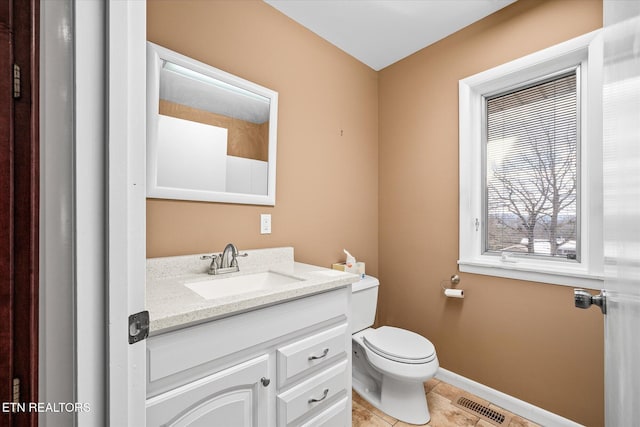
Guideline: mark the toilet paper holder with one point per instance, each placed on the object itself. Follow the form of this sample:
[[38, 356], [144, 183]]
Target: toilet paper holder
[[452, 293]]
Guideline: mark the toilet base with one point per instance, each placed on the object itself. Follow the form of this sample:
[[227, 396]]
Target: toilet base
[[404, 400], [401, 400]]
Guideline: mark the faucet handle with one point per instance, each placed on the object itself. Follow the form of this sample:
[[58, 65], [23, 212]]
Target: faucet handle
[[215, 262], [215, 258], [234, 256]]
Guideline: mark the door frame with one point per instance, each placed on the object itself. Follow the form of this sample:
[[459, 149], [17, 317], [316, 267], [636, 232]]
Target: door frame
[[94, 230], [126, 210]]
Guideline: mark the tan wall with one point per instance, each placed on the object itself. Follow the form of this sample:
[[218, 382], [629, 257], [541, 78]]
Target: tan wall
[[244, 139], [327, 173], [524, 339]]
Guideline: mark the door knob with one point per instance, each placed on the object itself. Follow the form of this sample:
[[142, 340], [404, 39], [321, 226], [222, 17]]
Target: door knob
[[265, 381], [584, 299]]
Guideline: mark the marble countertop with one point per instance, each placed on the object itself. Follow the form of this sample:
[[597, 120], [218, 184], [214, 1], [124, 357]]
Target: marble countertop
[[172, 305]]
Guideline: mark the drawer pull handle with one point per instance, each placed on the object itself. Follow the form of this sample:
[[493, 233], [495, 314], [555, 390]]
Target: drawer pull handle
[[324, 353], [265, 381], [325, 393]]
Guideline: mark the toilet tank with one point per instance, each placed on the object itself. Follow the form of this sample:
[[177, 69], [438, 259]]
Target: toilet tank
[[363, 303]]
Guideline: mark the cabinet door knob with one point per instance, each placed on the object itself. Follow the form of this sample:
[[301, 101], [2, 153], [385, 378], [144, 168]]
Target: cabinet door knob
[[324, 396], [265, 381], [324, 353]]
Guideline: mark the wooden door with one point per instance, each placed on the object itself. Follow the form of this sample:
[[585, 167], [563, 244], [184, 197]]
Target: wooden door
[[19, 208]]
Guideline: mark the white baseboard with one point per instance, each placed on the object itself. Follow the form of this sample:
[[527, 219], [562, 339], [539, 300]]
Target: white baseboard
[[510, 403]]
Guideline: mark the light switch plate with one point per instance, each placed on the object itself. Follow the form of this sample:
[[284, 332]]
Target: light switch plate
[[265, 223]]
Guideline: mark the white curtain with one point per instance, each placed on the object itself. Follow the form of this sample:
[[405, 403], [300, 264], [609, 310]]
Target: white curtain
[[621, 153]]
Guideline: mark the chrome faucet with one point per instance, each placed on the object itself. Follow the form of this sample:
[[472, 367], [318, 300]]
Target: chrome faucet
[[229, 255], [226, 262]]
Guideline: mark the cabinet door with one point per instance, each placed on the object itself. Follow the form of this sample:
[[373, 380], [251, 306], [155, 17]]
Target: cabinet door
[[232, 397]]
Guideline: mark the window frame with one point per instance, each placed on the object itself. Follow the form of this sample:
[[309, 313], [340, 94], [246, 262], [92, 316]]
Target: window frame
[[586, 52]]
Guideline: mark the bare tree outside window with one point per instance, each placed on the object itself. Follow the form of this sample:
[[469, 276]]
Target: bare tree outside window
[[531, 169]]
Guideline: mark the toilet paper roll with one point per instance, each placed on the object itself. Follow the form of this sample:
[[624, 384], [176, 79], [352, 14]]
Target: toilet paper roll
[[454, 293]]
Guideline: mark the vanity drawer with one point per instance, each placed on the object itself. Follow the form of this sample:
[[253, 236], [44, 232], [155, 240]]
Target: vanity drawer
[[309, 352], [334, 416], [316, 392]]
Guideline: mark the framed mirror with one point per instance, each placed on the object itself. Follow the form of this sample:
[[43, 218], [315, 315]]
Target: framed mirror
[[211, 136]]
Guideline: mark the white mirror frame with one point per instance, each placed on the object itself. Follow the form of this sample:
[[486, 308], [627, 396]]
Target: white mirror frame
[[155, 57]]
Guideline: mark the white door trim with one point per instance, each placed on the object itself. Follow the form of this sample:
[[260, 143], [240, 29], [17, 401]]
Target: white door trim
[[126, 242], [89, 207], [56, 371]]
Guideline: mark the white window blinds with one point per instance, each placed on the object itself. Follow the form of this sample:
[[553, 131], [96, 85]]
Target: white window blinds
[[531, 170]]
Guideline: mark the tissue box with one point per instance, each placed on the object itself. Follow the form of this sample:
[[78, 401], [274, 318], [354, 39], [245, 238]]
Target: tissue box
[[357, 268]]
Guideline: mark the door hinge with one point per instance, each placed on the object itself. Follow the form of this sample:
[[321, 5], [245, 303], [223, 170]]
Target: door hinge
[[16, 390], [138, 326], [16, 81]]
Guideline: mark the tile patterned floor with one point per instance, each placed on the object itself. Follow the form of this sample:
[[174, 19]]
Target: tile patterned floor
[[443, 412]]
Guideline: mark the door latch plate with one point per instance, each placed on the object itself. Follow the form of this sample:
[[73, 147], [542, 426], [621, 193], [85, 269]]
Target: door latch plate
[[138, 326]]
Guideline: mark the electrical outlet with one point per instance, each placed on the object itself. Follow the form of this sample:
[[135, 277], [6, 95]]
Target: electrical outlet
[[265, 223]]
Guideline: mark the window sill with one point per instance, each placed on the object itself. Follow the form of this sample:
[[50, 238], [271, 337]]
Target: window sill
[[565, 276]]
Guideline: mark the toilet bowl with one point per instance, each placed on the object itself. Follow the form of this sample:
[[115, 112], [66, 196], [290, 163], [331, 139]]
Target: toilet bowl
[[390, 364]]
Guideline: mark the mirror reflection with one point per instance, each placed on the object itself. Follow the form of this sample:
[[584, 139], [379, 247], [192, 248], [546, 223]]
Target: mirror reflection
[[211, 134]]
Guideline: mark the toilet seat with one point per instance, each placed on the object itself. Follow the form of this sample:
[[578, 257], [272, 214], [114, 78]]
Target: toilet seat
[[399, 345]]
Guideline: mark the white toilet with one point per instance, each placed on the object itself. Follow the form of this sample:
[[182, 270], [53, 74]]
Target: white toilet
[[389, 364]]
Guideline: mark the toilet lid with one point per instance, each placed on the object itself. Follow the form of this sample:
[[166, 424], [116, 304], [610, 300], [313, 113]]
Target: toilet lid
[[399, 344]]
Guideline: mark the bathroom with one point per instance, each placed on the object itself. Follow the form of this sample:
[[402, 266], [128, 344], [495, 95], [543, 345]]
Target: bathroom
[[368, 160]]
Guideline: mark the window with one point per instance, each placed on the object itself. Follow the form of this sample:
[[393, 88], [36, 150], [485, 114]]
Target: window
[[530, 147], [531, 168]]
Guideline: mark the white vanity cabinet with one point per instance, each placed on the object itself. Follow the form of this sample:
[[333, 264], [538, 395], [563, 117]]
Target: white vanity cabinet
[[287, 364], [234, 396]]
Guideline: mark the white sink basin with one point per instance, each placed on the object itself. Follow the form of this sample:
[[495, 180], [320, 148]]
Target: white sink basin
[[220, 288]]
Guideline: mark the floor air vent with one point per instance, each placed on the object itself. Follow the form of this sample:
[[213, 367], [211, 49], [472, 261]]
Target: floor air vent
[[484, 412]]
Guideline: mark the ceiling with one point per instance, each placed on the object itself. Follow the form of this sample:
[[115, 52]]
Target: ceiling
[[381, 32]]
